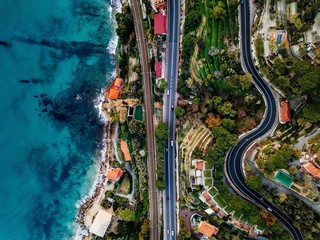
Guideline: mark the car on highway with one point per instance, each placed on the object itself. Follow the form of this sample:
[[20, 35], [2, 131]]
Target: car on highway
[[172, 107], [270, 209], [171, 143], [172, 233], [168, 92], [168, 232]]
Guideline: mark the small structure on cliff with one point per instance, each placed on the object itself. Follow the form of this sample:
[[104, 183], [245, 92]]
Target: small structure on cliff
[[114, 89]]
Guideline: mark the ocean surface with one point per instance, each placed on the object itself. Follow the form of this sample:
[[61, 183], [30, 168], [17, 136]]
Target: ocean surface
[[54, 61]]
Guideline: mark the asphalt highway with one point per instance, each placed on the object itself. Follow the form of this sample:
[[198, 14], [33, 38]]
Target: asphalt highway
[[173, 24], [144, 60], [233, 165]]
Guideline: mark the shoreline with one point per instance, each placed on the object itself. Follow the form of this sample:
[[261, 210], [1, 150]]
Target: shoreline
[[98, 187]]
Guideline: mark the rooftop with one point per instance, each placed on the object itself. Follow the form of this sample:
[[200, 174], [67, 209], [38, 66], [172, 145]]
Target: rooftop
[[311, 169], [207, 229], [284, 108], [101, 223], [113, 173], [158, 67], [160, 23], [114, 89], [199, 164]]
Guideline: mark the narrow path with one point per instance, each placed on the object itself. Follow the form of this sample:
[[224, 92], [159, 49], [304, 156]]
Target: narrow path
[[303, 140]]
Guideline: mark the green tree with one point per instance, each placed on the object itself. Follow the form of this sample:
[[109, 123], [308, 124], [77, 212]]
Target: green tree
[[126, 214], [162, 131], [229, 124], [245, 81], [179, 111], [219, 11], [279, 66], [254, 181]]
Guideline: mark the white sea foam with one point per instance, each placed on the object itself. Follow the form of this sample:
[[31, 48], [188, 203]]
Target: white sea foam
[[112, 46], [98, 105]]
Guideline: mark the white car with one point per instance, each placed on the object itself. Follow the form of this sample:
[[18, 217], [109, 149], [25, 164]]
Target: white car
[[172, 233], [168, 92], [171, 143]]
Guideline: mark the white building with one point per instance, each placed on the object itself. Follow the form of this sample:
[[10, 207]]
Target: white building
[[101, 223]]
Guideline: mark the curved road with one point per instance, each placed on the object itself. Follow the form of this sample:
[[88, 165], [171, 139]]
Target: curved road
[[233, 165], [144, 60], [173, 23]]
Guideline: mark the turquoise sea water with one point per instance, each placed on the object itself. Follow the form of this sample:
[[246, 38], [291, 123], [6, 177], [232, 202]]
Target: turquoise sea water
[[53, 63]]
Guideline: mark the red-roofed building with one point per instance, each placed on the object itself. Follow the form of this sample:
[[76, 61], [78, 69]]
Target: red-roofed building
[[114, 90], [160, 24], [158, 67], [311, 169], [199, 164], [207, 229], [113, 174], [215, 208], [221, 213], [206, 195], [284, 111], [210, 202], [246, 227]]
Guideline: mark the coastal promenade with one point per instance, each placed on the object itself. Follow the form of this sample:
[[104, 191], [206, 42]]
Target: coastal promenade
[[144, 60]]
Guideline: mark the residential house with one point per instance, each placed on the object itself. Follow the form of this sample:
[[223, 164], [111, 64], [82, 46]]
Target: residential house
[[113, 174], [284, 111], [207, 229]]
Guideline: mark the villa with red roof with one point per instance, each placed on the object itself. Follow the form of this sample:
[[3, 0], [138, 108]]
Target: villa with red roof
[[113, 174], [207, 229], [310, 168], [284, 111]]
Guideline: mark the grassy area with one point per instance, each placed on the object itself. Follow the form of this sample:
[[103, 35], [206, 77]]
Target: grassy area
[[295, 188], [237, 214], [207, 173], [213, 191], [314, 139], [208, 182], [228, 209], [125, 184], [138, 113], [220, 201]]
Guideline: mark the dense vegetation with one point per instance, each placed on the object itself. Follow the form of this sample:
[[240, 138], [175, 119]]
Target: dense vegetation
[[161, 135], [305, 219]]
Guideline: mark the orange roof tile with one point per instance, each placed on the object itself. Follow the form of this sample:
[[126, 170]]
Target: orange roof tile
[[284, 115], [215, 208], [311, 169], [113, 173], [246, 227], [221, 213], [210, 202], [117, 82], [206, 195], [113, 93], [125, 150], [199, 165], [207, 229]]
